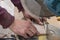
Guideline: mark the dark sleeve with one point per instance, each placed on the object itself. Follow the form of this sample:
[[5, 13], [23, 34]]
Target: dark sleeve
[[17, 3], [5, 18]]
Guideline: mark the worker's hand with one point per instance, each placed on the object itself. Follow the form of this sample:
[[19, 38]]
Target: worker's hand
[[37, 20], [23, 28]]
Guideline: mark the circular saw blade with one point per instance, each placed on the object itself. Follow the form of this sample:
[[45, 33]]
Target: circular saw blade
[[36, 8]]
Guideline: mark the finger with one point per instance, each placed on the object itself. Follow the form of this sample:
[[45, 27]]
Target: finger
[[44, 18], [33, 30], [29, 33], [39, 21], [23, 35]]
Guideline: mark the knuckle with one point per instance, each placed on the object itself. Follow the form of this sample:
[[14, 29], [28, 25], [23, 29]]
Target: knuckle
[[22, 32]]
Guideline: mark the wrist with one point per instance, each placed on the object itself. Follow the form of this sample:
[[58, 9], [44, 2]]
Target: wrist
[[12, 25]]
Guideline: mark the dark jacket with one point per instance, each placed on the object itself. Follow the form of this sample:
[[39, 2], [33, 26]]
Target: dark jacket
[[5, 18]]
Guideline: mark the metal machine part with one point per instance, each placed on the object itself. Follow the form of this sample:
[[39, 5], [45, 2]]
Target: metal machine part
[[7, 39], [53, 32], [36, 9], [52, 5], [12, 37], [42, 7]]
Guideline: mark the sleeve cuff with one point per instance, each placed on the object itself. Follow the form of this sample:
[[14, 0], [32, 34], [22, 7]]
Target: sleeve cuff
[[6, 19], [18, 4]]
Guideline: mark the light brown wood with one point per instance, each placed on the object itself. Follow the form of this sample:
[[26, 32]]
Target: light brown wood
[[53, 21]]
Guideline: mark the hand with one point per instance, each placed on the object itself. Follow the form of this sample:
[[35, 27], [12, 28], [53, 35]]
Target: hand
[[23, 28], [37, 20]]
